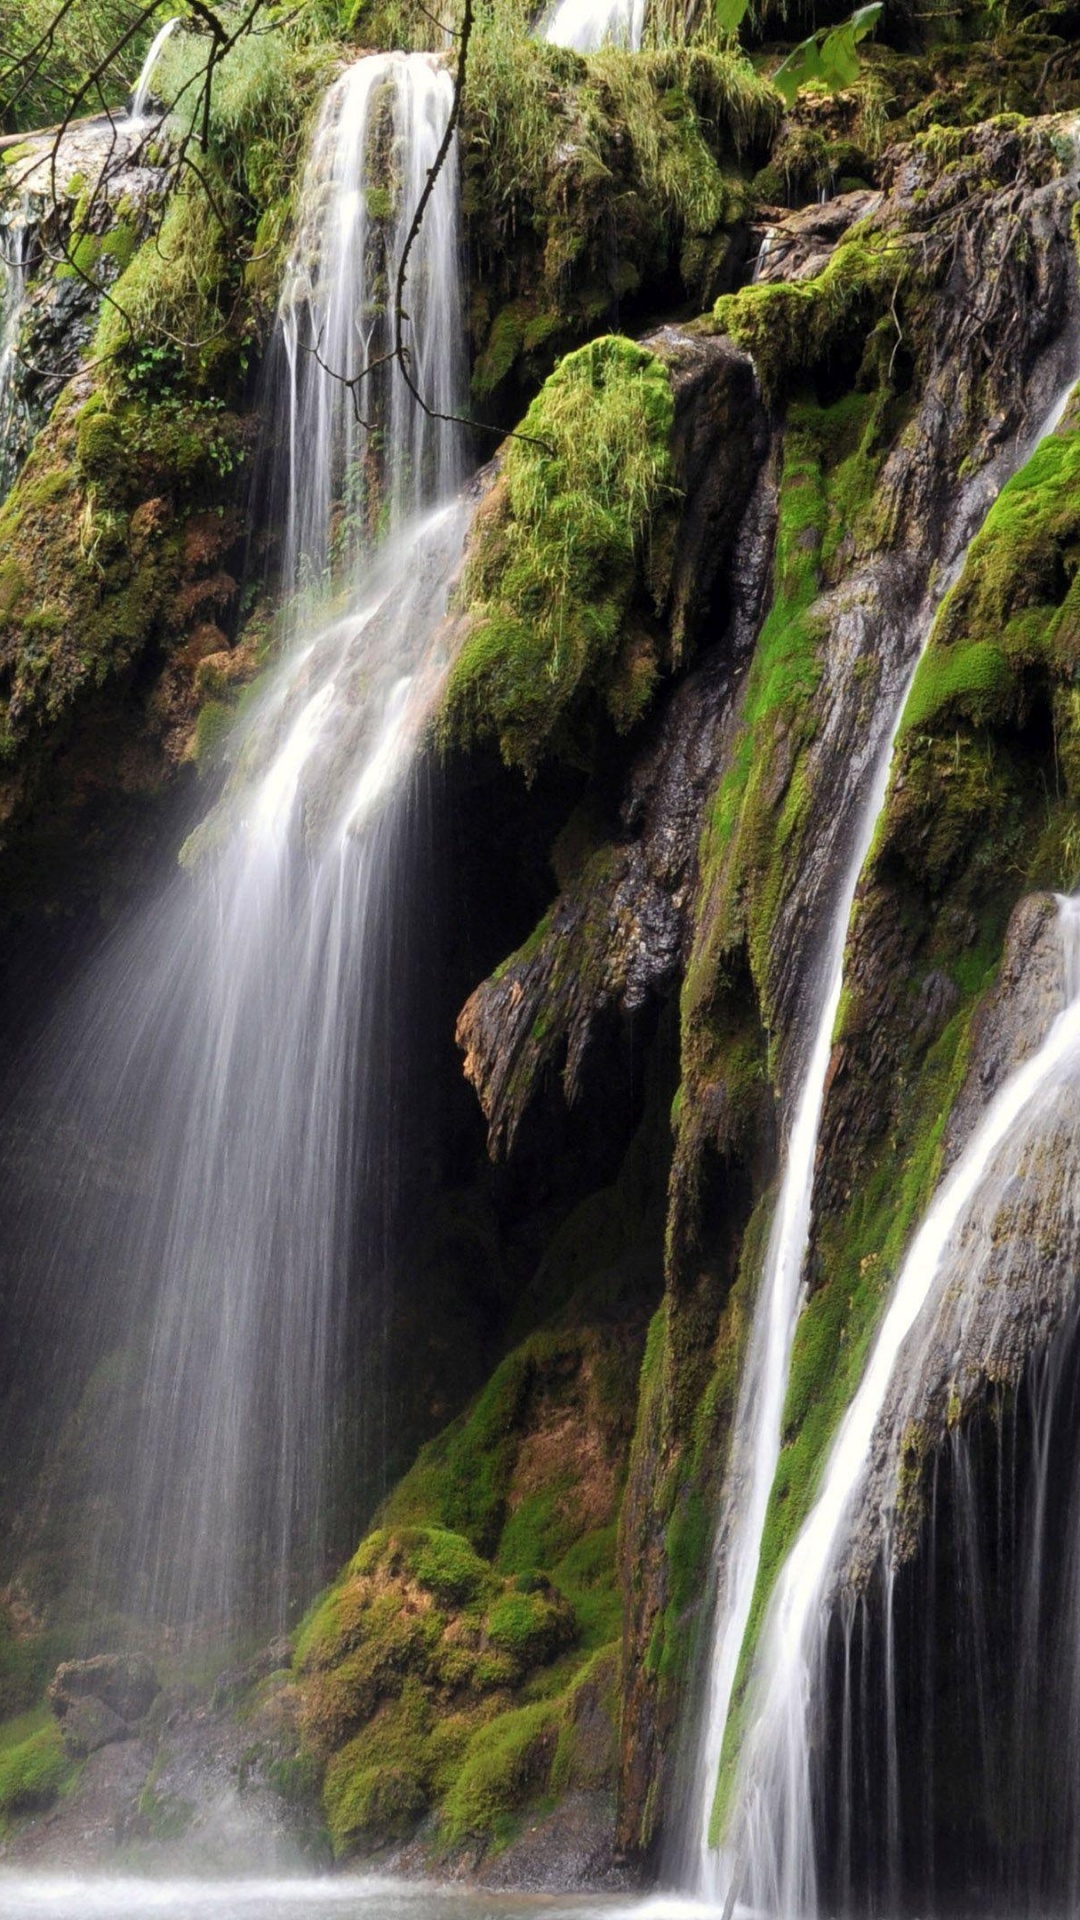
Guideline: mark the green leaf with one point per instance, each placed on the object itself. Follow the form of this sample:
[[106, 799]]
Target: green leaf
[[730, 14], [802, 65], [828, 55]]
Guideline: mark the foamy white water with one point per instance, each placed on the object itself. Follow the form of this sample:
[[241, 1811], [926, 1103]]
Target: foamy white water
[[586, 25], [237, 1053]]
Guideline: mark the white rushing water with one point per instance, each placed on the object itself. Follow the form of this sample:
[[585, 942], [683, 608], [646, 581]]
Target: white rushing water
[[774, 1808], [236, 1057], [15, 241], [586, 25], [377, 136], [756, 1437], [137, 115], [57, 1896]]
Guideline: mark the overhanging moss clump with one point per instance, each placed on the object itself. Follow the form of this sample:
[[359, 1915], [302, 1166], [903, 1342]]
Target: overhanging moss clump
[[558, 554], [561, 151]]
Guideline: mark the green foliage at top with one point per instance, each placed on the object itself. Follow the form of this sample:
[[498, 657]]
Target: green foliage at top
[[556, 557], [676, 106], [559, 151], [184, 314]]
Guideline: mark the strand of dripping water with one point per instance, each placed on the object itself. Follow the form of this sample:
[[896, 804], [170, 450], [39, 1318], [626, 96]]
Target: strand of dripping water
[[755, 1447], [137, 116], [304, 899], [15, 241]]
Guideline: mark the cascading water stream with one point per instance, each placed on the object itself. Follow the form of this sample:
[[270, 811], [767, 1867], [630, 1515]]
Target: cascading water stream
[[137, 116], [586, 25], [233, 1059], [774, 1808], [715, 1870], [382, 120], [15, 239]]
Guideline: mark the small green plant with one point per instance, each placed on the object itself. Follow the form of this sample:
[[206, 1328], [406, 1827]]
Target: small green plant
[[829, 57]]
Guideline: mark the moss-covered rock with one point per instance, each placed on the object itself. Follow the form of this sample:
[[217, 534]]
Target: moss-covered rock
[[561, 153], [34, 1768]]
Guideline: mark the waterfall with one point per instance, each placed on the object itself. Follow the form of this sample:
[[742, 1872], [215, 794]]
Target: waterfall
[[756, 1436], [15, 239], [376, 139], [225, 1088], [774, 1811], [586, 25], [141, 95]]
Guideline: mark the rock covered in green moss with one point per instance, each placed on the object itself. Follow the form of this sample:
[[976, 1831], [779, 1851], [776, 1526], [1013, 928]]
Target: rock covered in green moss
[[418, 1646], [593, 558], [560, 151], [119, 555], [910, 409], [33, 1770], [444, 1670]]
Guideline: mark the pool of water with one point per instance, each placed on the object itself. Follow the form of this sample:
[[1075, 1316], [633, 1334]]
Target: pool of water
[[43, 1896]]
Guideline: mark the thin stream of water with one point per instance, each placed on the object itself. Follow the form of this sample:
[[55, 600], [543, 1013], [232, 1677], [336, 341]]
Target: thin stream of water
[[141, 96]]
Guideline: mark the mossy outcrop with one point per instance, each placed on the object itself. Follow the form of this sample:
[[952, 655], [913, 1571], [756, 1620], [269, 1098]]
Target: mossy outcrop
[[459, 1663], [561, 153]]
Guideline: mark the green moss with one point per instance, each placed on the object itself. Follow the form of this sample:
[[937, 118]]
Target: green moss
[[212, 729], [379, 1785], [505, 1765], [33, 1772], [975, 679], [553, 565], [528, 1627]]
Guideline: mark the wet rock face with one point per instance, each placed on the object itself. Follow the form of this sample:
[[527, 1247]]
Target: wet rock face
[[617, 933], [796, 246], [99, 175], [186, 1789], [719, 440], [1012, 1022]]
